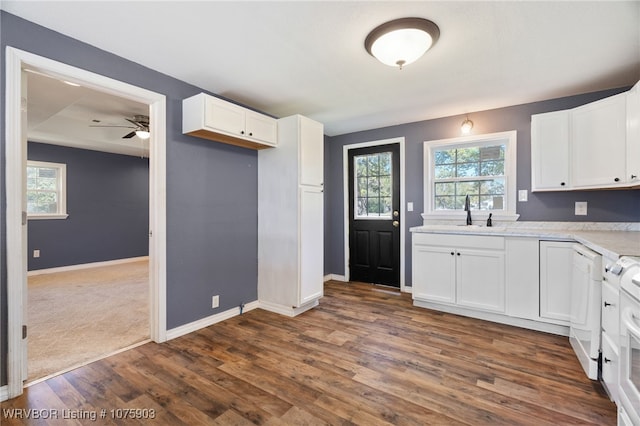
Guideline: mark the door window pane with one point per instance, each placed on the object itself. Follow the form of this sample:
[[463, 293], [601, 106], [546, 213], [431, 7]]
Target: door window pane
[[373, 185]]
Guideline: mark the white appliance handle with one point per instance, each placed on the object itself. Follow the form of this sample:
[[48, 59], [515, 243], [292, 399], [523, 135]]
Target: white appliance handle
[[630, 323]]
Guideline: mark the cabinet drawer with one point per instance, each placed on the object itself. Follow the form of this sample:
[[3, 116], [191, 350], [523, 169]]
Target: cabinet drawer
[[459, 241], [610, 365], [610, 309]]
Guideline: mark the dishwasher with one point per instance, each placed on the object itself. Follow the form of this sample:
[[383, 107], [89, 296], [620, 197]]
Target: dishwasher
[[586, 292]]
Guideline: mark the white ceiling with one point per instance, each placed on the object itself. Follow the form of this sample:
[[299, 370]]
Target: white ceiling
[[308, 57]]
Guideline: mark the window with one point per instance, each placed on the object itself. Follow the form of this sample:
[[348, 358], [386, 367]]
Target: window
[[482, 167], [46, 190], [373, 185]]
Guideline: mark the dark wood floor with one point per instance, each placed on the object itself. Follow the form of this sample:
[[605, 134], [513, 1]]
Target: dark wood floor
[[364, 356]]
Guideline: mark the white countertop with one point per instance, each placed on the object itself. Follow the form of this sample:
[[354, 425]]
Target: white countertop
[[611, 240]]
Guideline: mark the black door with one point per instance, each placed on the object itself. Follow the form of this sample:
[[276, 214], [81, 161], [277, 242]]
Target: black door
[[374, 214]]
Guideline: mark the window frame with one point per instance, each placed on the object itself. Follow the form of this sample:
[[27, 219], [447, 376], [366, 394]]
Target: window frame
[[509, 139], [61, 190]]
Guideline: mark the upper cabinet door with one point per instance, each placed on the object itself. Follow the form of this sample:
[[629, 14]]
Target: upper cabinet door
[[225, 116], [311, 152], [598, 147], [550, 151], [261, 127], [633, 135]]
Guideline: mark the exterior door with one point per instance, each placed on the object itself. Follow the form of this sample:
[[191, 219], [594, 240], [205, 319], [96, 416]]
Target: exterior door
[[374, 214]]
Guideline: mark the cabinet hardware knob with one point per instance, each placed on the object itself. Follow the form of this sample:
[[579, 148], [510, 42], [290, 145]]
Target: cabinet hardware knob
[[242, 132], [562, 183], [633, 176], [607, 360], [607, 304], [458, 253], [250, 133], [452, 253], [616, 180]]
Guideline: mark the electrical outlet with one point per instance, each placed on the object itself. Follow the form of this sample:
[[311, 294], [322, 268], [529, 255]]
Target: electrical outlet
[[581, 208], [215, 301], [36, 253]]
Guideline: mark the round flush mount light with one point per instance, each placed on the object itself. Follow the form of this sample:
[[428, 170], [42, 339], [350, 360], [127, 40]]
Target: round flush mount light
[[402, 41]]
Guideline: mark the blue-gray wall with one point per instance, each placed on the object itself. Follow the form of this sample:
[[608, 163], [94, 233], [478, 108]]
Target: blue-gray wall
[[211, 188], [604, 206], [108, 207]]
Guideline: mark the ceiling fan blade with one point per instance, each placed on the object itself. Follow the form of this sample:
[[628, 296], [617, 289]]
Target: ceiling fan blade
[[129, 135]]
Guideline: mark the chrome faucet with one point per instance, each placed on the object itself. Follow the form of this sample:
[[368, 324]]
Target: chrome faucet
[[467, 208]]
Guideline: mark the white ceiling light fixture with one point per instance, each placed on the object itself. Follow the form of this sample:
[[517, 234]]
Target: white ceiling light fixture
[[402, 41]]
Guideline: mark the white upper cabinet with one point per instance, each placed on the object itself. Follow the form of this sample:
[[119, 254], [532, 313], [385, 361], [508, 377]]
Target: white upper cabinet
[[598, 148], [311, 152], [215, 119], [633, 135], [550, 151], [593, 146]]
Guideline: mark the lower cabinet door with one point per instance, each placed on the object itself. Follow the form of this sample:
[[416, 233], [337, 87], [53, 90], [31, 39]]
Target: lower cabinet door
[[311, 244], [610, 366], [481, 279], [434, 277]]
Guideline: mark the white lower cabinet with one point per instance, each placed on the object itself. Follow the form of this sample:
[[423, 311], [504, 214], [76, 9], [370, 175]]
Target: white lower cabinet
[[555, 281], [466, 271]]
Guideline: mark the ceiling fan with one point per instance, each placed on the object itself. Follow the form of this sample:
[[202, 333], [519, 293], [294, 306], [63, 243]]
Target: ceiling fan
[[140, 126]]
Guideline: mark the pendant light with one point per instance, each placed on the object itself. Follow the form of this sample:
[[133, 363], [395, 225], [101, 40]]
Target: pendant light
[[466, 126], [402, 41]]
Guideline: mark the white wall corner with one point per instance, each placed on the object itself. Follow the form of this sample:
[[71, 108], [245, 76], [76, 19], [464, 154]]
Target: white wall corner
[[335, 277]]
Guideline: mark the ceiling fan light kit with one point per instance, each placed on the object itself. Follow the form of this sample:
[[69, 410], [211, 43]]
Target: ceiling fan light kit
[[402, 41], [140, 126]]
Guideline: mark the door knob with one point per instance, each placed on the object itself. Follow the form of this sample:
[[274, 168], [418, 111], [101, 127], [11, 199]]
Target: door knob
[[395, 223], [395, 213]]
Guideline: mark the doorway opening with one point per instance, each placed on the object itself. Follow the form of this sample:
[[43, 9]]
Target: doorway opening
[[374, 211], [16, 223]]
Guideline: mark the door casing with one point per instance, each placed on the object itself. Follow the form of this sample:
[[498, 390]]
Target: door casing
[[16, 245], [346, 183]]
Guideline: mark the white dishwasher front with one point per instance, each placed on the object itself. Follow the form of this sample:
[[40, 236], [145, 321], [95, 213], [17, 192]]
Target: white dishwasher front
[[584, 331]]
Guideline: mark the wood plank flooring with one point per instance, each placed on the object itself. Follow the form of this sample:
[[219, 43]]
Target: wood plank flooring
[[365, 356]]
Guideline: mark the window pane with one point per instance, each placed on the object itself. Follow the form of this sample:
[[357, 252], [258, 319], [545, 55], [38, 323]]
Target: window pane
[[373, 206], [361, 207], [445, 203], [445, 171], [362, 187], [385, 186], [445, 188], [492, 168], [468, 155], [361, 165], [471, 188], [385, 164], [374, 168], [385, 206], [495, 186], [445, 157], [45, 172], [373, 187], [468, 170]]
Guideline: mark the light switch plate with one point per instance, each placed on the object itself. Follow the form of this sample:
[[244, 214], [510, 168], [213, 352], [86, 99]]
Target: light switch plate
[[523, 195], [410, 206], [581, 208]]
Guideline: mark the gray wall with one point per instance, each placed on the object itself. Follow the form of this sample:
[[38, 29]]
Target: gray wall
[[211, 188], [108, 207], [604, 206]]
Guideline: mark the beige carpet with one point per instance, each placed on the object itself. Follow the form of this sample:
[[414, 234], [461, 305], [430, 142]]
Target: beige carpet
[[79, 316]]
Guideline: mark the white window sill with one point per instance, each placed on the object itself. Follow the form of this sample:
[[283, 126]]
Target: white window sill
[[46, 216], [475, 215]]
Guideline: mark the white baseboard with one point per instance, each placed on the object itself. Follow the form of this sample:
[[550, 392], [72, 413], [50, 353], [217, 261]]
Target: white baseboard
[[86, 265], [335, 277], [4, 393], [210, 320], [287, 310]]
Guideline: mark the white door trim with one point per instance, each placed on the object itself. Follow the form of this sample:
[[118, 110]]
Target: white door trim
[[16, 264], [345, 174]]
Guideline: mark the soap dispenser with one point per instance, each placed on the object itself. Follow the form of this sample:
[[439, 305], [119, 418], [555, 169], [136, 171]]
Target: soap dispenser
[[489, 222]]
